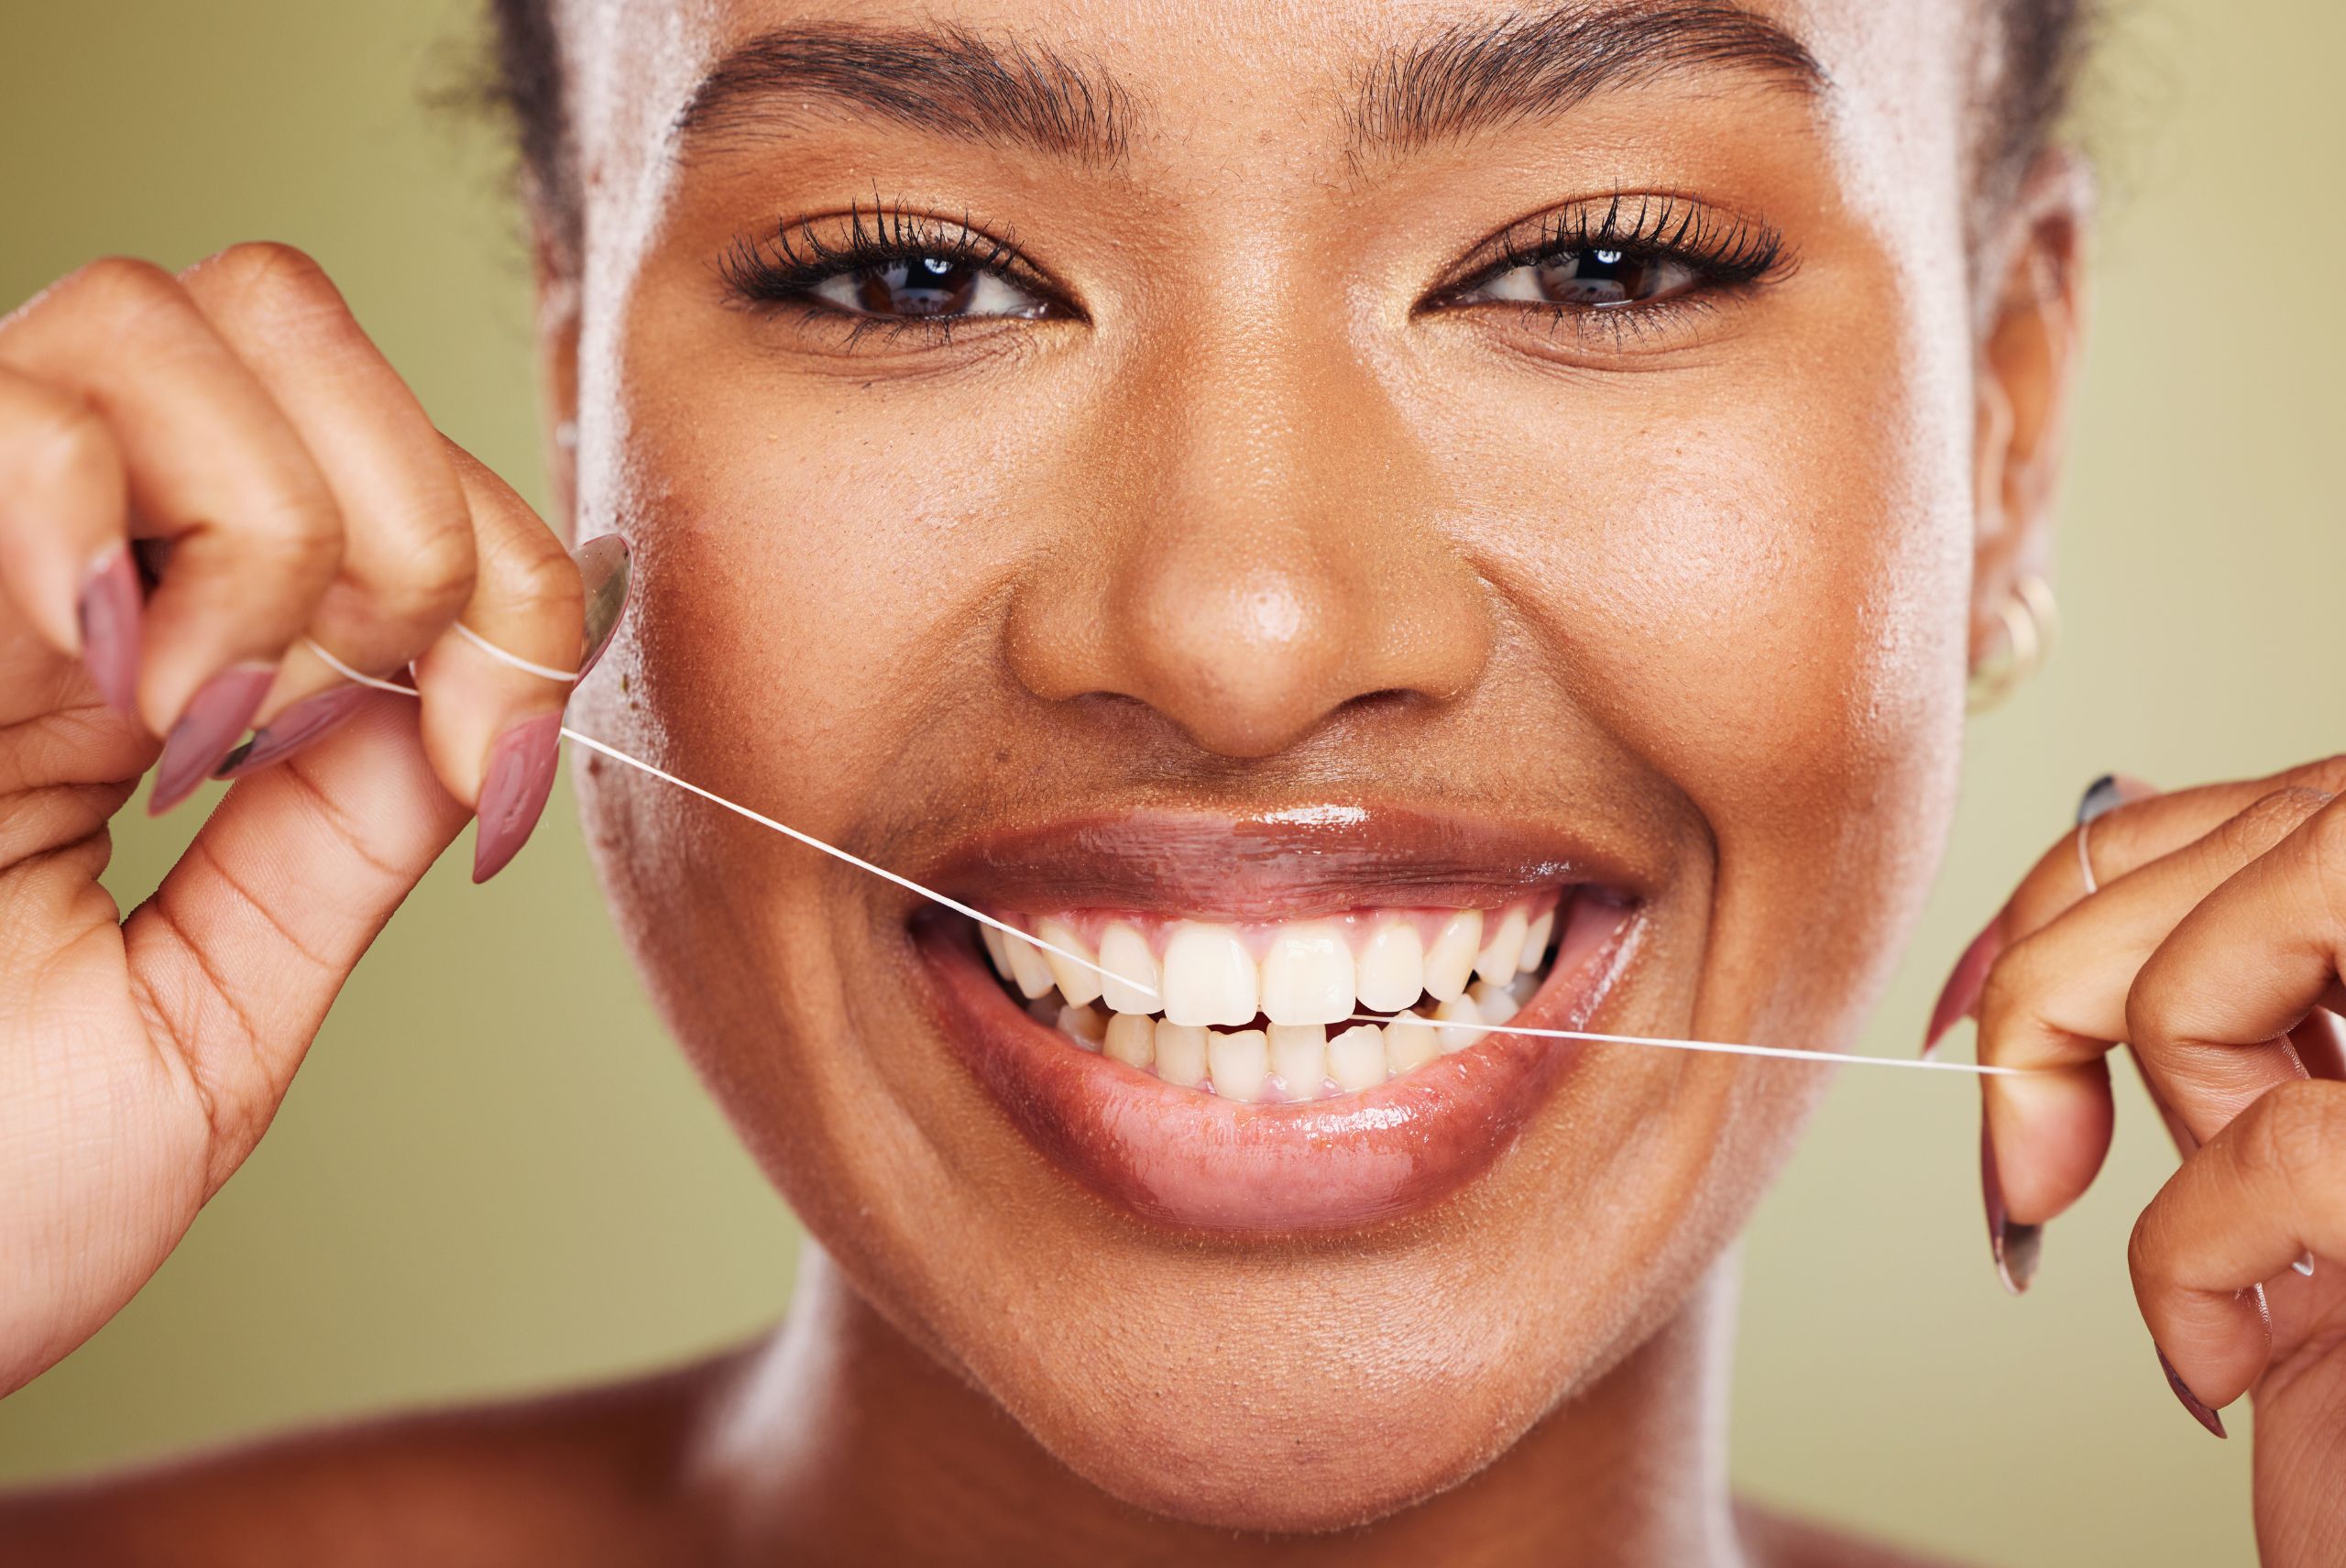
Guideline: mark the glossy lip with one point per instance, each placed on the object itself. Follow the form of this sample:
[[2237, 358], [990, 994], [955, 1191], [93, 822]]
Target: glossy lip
[[1275, 865], [1183, 1158]]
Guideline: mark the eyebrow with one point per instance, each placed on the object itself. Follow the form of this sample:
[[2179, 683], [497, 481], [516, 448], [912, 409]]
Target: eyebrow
[[943, 79], [1471, 77]]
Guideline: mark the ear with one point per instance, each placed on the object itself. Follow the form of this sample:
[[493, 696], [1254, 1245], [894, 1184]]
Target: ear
[[2032, 336], [557, 351]]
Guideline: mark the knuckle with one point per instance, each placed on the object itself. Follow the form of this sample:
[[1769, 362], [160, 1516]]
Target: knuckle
[[118, 289], [2295, 1131], [435, 576], [264, 279], [2270, 818], [533, 580]]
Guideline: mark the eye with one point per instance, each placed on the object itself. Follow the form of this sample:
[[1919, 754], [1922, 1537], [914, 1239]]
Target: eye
[[926, 286], [1592, 277]]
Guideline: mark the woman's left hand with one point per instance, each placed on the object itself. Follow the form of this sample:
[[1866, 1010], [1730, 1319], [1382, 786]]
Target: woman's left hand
[[2206, 929]]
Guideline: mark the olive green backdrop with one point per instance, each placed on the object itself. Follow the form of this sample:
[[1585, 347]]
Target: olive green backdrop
[[496, 1176]]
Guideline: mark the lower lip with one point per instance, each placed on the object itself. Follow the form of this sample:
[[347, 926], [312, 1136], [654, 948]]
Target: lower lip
[[1185, 1158]]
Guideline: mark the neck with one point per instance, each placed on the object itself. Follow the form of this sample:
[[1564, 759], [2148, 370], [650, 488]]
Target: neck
[[839, 1439]]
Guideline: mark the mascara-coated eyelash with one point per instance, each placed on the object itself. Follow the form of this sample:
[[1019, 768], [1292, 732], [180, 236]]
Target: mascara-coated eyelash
[[1629, 255], [891, 269]]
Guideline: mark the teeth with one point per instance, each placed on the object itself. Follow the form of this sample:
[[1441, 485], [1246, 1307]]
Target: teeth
[[1027, 968], [1086, 1024], [1131, 1039], [1497, 961], [1240, 1063], [1123, 953], [1497, 1003], [1307, 977], [1457, 1010], [1392, 968], [997, 949], [1449, 962], [1076, 984], [1186, 1016], [1535, 940], [1181, 1053], [1356, 1057], [1209, 978], [1410, 1043], [1300, 1059]]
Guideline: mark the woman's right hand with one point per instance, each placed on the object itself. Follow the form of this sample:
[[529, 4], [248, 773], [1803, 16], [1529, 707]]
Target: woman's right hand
[[285, 485]]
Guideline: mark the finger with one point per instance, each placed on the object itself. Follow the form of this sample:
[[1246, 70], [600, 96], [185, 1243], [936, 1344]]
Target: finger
[[2055, 1002], [407, 562], [2142, 828], [243, 948], [64, 545], [212, 464], [492, 730], [2267, 1189], [2211, 1009]]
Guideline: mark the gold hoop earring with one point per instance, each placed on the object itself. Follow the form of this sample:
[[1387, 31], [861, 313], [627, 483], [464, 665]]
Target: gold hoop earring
[[2032, 623]]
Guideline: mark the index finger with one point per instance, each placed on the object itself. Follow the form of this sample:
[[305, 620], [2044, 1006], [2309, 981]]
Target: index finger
[[2143, 827]]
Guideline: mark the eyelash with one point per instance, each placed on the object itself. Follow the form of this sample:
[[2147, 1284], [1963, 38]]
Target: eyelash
[[1725, 253], [781, 270]]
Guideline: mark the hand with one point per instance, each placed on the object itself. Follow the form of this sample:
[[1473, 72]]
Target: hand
[[2207, 934], [285, 485]]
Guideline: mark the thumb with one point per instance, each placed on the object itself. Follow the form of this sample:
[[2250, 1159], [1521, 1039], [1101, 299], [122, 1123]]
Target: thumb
[[247, 943]]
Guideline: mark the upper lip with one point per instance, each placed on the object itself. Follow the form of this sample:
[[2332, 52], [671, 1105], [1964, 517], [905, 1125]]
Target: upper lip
[[1274, 864]]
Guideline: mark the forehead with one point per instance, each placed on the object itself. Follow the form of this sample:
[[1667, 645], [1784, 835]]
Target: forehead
[[1264, 77]]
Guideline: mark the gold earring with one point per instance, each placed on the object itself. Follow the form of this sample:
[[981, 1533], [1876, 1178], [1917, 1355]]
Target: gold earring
[[2032, 622]]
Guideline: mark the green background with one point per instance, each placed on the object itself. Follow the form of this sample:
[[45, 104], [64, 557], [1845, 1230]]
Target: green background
[[495, 1174]]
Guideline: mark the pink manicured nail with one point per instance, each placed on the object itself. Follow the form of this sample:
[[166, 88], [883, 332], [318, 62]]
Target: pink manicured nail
[[207, 727], [1961, 992], [520, 778], [310, 719], [109, 612], [2015, 1248], [605, 570], [2191, 1402]]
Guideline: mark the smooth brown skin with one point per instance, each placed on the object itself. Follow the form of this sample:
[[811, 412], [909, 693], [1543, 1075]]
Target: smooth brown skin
[[1710, 590]]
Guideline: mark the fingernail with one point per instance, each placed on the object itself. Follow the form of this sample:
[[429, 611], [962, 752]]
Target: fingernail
[[307, 720], [513, 794], [207, 727], [2101, 796], [109, 611], [605, 568], [2191, 1402], [1961, 992], [2014, 1247]]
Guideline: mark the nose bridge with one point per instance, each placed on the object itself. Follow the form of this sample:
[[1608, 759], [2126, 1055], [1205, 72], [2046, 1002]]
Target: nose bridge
[[1279, 549]]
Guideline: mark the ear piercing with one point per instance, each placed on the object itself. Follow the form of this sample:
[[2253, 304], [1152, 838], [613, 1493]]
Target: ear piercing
[[2032, 623]]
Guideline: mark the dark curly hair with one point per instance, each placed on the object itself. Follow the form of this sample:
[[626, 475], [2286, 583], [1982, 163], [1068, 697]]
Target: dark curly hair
[[2033, 53]]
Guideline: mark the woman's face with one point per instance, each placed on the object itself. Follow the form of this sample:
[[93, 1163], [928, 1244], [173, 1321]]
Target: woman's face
[[1249, 482]]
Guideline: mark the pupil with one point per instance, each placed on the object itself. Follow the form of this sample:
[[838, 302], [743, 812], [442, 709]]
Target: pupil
[[922, 286], [1595, 277]]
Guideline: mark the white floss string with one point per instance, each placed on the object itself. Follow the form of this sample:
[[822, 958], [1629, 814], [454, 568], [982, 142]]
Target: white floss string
[[1715, 1048]]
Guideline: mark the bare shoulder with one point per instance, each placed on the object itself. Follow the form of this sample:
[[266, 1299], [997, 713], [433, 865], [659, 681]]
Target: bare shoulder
[[1781, 1540], [590, 1477]]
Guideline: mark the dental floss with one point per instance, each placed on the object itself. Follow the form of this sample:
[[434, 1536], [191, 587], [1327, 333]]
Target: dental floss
[[1778, 1053], [859, 863], [1718, 1047]]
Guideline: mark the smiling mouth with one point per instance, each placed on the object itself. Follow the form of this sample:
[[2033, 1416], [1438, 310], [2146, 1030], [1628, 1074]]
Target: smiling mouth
[[1296, 1010], [1293, 1032]]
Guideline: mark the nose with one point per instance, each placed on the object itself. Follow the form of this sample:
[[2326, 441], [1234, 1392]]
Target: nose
[[1261, 551]]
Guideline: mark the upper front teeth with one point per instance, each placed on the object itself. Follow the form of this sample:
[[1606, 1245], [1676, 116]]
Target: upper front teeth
[[1211, 982]]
